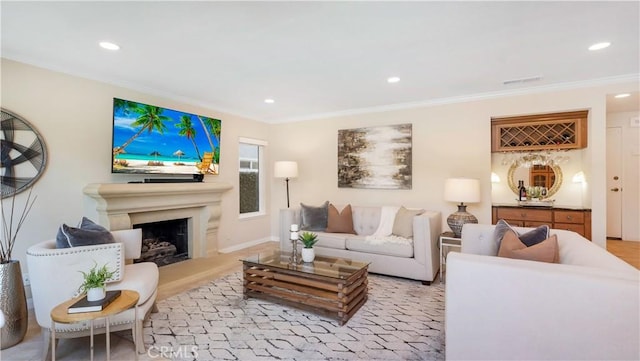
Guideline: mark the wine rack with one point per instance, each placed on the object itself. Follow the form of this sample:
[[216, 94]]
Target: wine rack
[[567, 130]]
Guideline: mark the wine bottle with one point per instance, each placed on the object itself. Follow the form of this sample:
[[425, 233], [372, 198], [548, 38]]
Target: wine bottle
[[522, 191]]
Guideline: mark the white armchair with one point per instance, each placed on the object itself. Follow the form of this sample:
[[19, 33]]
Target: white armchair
[[55, 278]]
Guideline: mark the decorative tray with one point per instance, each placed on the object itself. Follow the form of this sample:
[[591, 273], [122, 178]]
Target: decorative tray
[[532, 203]]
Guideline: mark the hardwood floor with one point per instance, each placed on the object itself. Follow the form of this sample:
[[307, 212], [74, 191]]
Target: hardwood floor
[[182, 276], [628, 251]]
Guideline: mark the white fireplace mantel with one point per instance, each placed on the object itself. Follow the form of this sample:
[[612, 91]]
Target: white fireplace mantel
[[121, 205]]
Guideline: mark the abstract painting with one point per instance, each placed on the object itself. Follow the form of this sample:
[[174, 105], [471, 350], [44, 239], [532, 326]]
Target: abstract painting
[[375, 157]]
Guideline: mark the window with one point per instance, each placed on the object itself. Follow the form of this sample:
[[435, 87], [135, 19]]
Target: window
[[251, 176]]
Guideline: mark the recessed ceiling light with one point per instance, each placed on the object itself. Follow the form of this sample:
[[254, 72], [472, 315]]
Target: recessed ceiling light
[[599, 46], [393, 79], [623, 95], [109, 46], [269, 101]]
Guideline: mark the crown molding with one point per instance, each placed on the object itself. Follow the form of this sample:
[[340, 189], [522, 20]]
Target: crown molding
[[377, 109], [468, 98], [132, 86]]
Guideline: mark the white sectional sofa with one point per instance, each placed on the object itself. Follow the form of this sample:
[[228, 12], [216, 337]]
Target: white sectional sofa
[[418, 260], [587, 307]]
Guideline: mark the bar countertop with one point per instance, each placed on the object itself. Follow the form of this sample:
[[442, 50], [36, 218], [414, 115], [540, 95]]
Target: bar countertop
[[557, 207]]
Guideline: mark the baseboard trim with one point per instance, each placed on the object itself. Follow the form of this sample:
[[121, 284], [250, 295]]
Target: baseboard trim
[[244, 245]]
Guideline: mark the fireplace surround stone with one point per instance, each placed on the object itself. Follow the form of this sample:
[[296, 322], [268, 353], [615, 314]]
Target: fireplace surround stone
[[121, 205]]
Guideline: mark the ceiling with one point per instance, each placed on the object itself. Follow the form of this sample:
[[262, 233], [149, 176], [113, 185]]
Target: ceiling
[[319, 59]]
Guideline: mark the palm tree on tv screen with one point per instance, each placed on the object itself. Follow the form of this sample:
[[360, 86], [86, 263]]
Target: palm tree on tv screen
[[150, 118], [126, 106], [216, 127], [186, 130], [212, 125]]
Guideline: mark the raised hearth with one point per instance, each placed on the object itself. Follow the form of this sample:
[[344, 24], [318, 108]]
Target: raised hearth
[[121, 205]]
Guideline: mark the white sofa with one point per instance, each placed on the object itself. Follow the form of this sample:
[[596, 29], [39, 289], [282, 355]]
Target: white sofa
[[419, 260], [55, 277], [587, 307]]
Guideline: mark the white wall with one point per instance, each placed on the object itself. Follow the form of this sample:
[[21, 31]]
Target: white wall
[[630, 173], [448, 140], [74, 116]]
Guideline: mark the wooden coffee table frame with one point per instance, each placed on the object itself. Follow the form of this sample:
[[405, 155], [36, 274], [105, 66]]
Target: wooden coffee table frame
[[339, 298]]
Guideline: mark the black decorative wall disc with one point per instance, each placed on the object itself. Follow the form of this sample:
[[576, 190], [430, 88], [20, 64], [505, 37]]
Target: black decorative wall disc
[[23, 154]]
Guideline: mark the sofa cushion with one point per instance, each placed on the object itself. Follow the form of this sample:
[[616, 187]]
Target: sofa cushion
[[332, 240], [89, 234], [529, 238], [366, 219], [340, 222], [403, 223], [359, 244], [545, 251], [142, 277], [314, 218]]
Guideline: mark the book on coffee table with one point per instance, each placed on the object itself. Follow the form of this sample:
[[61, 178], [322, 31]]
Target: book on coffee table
[[83, 305]]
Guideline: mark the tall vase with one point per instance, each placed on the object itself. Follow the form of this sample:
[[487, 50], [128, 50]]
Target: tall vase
[[13, 304]]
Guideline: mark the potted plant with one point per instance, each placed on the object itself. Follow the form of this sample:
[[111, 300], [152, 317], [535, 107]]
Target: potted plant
[[94, 281], [308, 239], [13, 301]]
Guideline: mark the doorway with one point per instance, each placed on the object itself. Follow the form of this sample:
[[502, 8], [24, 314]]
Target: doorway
[[614, 182]]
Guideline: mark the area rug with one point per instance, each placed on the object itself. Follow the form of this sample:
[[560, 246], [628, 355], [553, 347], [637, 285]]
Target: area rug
[[401, 320]]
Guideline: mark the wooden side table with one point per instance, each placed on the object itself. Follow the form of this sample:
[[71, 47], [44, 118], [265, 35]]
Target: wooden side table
[[447, 239], [125, 301]]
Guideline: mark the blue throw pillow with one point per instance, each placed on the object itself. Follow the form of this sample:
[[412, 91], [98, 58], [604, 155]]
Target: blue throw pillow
[[88, 234], [530, 238], [314, 218]]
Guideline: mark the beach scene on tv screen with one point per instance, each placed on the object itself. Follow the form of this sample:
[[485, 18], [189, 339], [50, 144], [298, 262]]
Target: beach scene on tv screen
[[148, 139]]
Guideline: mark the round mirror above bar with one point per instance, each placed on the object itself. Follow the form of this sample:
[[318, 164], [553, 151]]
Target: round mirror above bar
[[547, 176]]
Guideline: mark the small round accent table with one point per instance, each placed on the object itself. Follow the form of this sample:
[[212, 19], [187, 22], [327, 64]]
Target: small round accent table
[[125, 301]]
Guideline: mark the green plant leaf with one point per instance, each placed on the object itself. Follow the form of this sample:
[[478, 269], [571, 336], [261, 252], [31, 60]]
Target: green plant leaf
[[95, 278], [308, 239]]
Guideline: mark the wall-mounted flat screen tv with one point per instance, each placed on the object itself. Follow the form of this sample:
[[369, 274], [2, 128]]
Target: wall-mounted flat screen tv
[[148, 139]]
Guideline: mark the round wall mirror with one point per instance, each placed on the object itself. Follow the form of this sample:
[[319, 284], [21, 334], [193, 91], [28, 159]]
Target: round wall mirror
[[23, 157], [549, 176]]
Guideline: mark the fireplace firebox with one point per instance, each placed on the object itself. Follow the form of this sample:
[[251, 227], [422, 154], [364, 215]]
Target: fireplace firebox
[[164, 242]]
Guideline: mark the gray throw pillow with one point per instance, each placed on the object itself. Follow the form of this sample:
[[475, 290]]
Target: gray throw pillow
[[530, 238], [535, 236], [88, 234], [403, 223], [89, 225], [314, 218]]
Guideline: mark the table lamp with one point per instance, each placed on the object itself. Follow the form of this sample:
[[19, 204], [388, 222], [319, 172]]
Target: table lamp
[[461, 190], [287, 170]]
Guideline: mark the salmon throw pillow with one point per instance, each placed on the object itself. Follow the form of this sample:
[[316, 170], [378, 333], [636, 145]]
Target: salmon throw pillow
[[545, 251], [340, 222]]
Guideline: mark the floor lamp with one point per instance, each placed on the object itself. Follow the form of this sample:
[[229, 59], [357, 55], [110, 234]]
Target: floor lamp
[[286, 170]]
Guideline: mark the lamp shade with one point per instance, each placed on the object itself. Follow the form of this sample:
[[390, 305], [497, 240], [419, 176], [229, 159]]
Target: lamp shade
[[285, 169], [464, 190]]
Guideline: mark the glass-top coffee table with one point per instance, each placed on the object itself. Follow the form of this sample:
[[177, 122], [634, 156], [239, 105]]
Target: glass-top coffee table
[[332, 286]]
